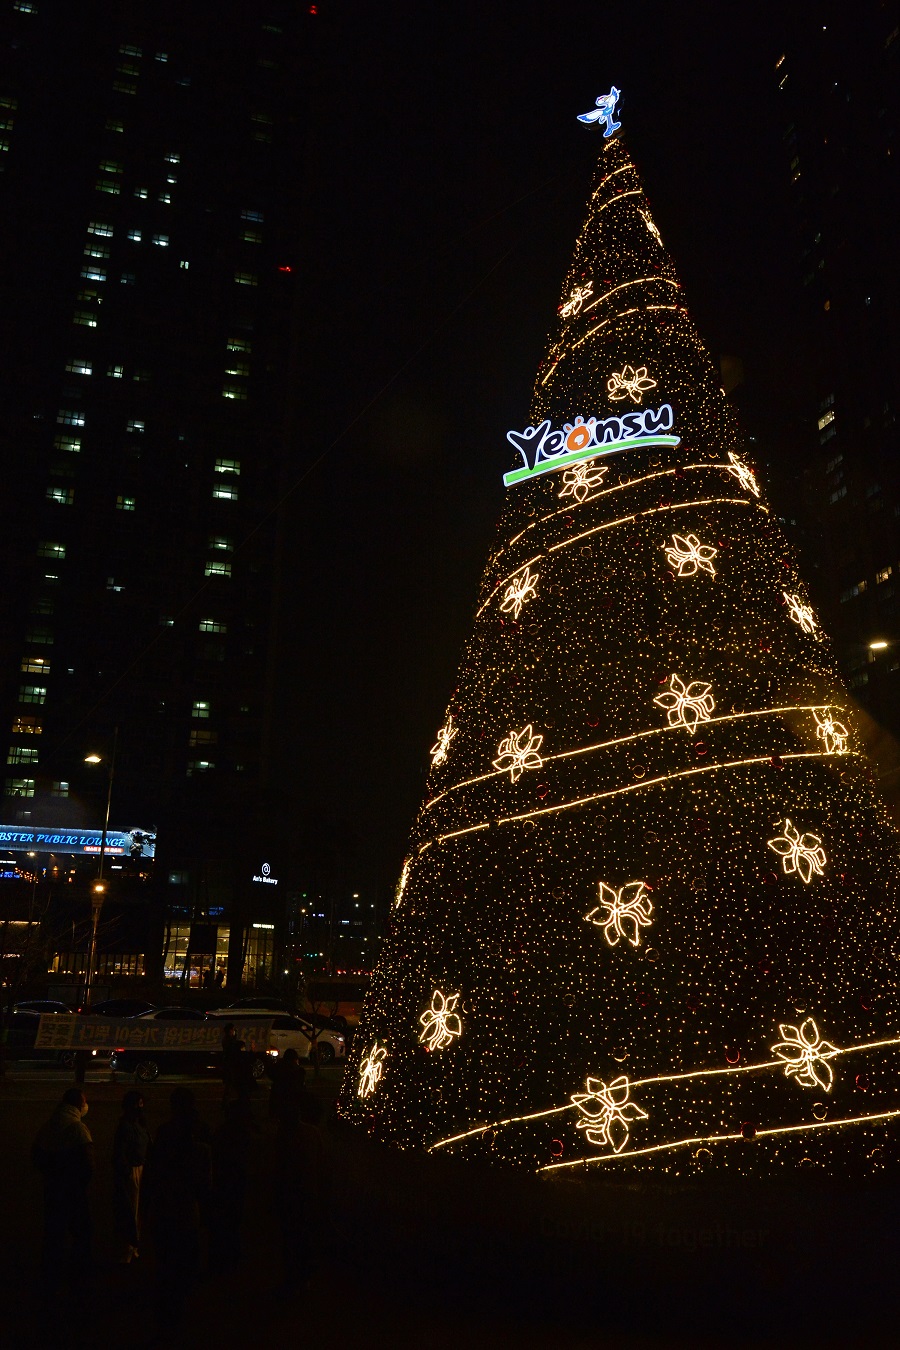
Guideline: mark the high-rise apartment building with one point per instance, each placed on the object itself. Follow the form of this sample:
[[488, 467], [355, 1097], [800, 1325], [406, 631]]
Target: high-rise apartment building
[[151, 173], [838, 75]]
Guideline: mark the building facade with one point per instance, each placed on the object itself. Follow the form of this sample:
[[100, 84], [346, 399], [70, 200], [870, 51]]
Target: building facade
[[152, 168]]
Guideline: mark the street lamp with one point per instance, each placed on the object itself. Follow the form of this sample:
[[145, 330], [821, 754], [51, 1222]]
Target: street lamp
[[98, 894]]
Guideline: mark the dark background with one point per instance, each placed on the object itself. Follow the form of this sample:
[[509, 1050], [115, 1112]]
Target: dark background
[[447, 181]]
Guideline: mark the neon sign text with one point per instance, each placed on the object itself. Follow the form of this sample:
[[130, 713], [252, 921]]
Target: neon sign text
[[544, 450]]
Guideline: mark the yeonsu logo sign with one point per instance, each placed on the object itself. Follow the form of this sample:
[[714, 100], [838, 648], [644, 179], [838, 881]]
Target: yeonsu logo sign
[[544, 450]]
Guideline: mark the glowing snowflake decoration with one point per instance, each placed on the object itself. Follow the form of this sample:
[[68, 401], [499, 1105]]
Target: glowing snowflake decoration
[[686, 705], [689, 556], [577, 297], [629, 383], [802, 854], [441, 1024], [518, 752], [441, 747], [578, 481], [622, 913], [401, 884], [834, 734], [744, 474], [651, 226], [606, 1112], [519, 592], [805, 1055], [370, 1070], [800, 613]]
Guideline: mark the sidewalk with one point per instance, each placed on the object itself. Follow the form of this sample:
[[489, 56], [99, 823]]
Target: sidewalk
[[431, 1253]]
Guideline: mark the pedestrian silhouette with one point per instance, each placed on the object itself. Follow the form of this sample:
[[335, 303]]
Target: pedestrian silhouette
[[63, 1154], [131, 1145], [178, 1184], [299, 1176], [232, 1153]]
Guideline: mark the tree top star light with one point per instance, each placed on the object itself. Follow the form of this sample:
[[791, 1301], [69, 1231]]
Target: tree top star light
[[647, 921]]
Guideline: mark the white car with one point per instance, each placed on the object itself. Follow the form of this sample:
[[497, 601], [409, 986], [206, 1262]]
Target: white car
[[290, 1033]]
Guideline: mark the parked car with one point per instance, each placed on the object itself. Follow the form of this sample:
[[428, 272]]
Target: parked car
[[23, 1030], [268, 1004], [148, 1062], [337, 997], [42, 1005], [119, 1007], [289, 1032]]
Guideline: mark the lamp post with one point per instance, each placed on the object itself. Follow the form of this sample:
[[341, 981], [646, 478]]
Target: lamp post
[[98, 893]]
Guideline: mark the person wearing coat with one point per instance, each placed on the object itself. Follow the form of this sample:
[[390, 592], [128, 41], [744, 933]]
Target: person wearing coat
[[131, 1146]]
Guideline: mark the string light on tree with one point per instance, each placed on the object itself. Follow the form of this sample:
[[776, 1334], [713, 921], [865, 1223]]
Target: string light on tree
[[629, 383], [833, 733], [577, 297], [651, 226], [371, 1067], [804, 1053], [518, 752], [622, 913], [800, 613], [441, 748], [519, 592], [800, 853], [580, 479], [401, 884], [686, 705], [607, 1113], [441, 1023], [743, 473], [688, 556]]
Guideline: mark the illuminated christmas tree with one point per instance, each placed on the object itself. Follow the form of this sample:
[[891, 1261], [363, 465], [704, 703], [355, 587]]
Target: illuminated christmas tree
[[647, 920]]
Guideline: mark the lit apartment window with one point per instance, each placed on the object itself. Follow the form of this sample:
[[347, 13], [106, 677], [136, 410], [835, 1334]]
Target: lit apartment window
[[161, 240], [63, 496], [108, 185], [22, 754], [221, 541], [225, 494], [27, 726], [127, 68], [825, 419], [35, 665], [246, 279], [883, 574], [234, 391], [184, 265], [124, 503], [141, 193], [85, 296], [241, 368], [218, 569], [128, 278], [161, 56], [251, 236], [99, 228], [47, 550], [126, 50], [252, 215], [115, 372], [39, 635], [25, 6], [165, 198], [19, 787], [212, 626], [59, 789], [115, 586], [32, 693], [93, 272], [134, 236], [85, 318], [68, 417], [96, 250], [141, 376], [194, 766], [114, 124], [135, 426], [203, 738], [78, 366], [71, 444], [173, 158], [200, 708], [228, 466], [51, 578]]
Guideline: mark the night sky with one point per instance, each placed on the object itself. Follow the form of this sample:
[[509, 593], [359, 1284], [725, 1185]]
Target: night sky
[[447, 180]]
